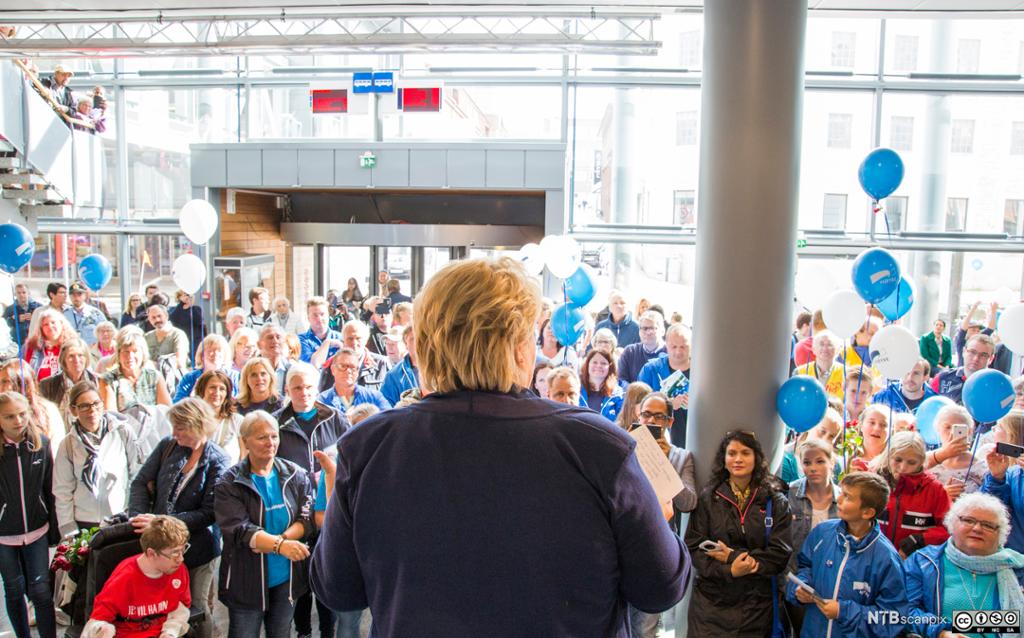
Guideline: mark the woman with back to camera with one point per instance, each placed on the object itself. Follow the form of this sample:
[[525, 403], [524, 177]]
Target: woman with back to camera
[[474, 323], [732, 595]]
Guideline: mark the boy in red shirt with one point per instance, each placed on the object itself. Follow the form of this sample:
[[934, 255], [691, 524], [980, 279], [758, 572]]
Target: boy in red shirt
[[147, 596]]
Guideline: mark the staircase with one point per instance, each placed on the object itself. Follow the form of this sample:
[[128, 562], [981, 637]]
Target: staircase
[[47, 169]]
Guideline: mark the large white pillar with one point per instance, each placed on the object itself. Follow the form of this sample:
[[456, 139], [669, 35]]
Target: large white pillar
[[752, 97]]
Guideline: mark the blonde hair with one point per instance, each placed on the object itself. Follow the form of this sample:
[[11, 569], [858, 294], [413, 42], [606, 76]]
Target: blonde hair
[[901, 442], [402, 307], [254, 417], [242, 333], [564, 372], [817, 445], [634, 395], [71, 346], [163, 532], [35, 333], [32, 433], [361, 412], [1013, 425], [957, 412], [469, 319], [131, 336], [194, 414], [878, 410], [243, 399]]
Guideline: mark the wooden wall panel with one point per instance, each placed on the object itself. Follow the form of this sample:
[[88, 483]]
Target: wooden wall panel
[[255, 229]]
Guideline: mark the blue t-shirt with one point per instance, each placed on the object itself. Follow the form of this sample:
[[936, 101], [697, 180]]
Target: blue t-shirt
[[275, 521], [320, 503]]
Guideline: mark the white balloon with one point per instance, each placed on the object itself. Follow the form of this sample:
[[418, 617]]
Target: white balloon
[[564, 257], [532, 257], [188, 273], [1011, 328], [843, 312], [894, 351], [198, 220]]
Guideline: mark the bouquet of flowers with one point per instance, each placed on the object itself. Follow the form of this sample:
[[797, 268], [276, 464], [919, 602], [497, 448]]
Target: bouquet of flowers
[[73, 551]]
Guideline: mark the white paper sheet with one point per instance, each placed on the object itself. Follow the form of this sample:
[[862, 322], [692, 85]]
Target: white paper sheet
[[663, 477]]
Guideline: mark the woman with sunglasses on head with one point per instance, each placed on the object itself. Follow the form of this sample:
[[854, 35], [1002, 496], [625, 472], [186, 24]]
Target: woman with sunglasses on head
[[95, 462], [178, 480], [745, 513]]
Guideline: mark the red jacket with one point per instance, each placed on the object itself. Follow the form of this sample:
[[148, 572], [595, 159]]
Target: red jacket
[[918, 504], [803, 352]]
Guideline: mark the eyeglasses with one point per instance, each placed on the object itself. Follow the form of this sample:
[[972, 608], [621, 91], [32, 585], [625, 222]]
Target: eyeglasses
[[972, 522], [95, 405], [347, 368], [180, 553], [978, 355], [648, 328], [656, 416]]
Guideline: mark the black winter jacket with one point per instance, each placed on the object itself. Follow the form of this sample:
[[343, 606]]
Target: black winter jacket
[[240, 510], [723, 605], [26, 489], [194, 505], [298, 448]]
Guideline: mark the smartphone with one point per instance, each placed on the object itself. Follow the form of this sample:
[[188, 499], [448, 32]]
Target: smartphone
[[1009, 449], [959, 431], [708, 546]]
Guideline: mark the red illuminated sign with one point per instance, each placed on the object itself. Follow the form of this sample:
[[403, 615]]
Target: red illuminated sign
[[420, 99], [329, 101]]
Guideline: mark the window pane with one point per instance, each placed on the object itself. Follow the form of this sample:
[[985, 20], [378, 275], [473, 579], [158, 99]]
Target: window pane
[[956, 213], [828, 167], [952, 46], [834, 213], [1017, 138], [484, 112], [847, 44], [625, 168], [894, 213], [1012, 214], [685, 206], [901, 133], [962, 140], [285, 112], [844, 49], [681, 37], [162, 123], [686, 128]]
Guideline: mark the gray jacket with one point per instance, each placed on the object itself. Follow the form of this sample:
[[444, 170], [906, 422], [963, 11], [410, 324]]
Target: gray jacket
[[802, 508]]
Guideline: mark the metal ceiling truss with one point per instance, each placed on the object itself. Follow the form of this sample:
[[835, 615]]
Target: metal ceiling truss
[[177, 33]]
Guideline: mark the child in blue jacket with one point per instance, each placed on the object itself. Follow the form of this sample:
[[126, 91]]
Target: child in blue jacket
[[854, 570]]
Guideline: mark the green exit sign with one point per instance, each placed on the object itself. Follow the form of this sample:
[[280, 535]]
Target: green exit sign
[[367, 160]]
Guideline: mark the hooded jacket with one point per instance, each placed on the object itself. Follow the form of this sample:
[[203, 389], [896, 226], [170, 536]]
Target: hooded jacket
[[892, 396], [626, 331], [240, 512], [864, 575], [723, 605], [400, 378], [298, 448], [1011, 492], [26, 492], [913, 518], [924, 574]]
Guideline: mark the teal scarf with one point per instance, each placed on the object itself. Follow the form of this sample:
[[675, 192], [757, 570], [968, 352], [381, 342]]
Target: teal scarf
[[1002, 563]]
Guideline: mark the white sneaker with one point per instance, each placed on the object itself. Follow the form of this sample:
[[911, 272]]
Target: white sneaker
[[63, 619]]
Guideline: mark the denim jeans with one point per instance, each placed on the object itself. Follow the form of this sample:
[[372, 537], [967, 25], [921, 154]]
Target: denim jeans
[[25, 571], [277, 619], [642, 624], [348, 623]]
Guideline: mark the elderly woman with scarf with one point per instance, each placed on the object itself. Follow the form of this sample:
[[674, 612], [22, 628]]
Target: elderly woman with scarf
[[972, 570]]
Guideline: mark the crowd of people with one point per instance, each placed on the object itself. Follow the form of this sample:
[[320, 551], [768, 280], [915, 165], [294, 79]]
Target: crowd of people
[[223, 446], [88, 112]]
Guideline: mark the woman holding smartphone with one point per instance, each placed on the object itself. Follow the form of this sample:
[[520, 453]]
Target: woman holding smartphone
[[950, 462], [744, 512]]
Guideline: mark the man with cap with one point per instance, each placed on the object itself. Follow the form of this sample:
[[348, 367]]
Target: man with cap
[[60, 90], [83, 317], [394, 348], [380, 323], [405, 375]]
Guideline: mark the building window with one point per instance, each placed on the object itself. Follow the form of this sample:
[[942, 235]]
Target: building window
[[686, 128], [901, 133], [895, 213], [598, 166], [834, 212], [956, 214], [1020, 58], [690, 50], [968, 56], [683, 208], [962, 136], [840, 130], [844, 49], [905, 54], [1017, 138], [1013, 212]]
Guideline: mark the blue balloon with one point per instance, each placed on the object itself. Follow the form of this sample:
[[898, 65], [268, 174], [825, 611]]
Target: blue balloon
[[16, 248], [875, 274], [95, 272], [801, 402], [899, 302], [568, 324], [926, 413], [580, 287], [988, 395], [880, 173]]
